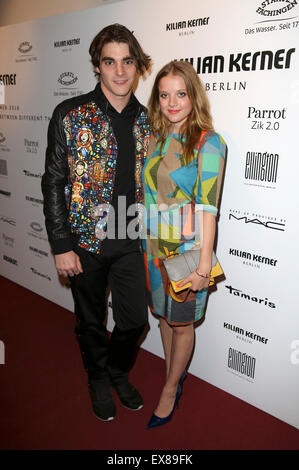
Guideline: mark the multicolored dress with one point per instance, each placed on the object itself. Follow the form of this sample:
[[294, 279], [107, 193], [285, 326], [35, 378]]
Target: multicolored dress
[[173, 193]]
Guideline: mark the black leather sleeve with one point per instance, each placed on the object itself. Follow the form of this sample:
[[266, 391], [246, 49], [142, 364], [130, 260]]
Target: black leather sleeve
[[54, 180]]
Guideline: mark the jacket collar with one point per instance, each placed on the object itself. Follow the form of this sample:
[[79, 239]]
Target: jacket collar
[[133, 105]]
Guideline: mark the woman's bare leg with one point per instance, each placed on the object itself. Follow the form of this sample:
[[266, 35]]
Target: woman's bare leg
[[166, 335], [181, 350]]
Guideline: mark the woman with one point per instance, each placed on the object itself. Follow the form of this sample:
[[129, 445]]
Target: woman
[[182, 176]]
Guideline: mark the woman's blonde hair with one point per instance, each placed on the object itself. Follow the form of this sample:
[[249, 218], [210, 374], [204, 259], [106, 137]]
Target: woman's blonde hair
[[200, 117]]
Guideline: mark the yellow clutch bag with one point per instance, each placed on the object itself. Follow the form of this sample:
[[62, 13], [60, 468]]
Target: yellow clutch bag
[[179, 267]]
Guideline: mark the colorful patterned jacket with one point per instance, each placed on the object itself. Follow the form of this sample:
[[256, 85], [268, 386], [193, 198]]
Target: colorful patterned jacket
[[80, 171]]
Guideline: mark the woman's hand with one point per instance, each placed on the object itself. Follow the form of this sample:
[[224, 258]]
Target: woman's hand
[[197, 282]]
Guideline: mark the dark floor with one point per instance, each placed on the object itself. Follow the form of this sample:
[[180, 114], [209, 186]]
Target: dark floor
[[45, 403]]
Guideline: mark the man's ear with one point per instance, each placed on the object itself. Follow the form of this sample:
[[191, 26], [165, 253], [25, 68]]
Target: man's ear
[[97, 70]]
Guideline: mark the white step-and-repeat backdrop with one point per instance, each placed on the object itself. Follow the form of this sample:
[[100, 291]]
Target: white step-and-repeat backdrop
[[247, 54]]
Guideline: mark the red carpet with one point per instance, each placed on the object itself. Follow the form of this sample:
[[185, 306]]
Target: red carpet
[[45, 403]]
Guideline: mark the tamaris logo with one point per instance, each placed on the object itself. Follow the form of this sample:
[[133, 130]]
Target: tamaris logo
[[33, 175], [241, 362], [37, 273], [245, 61], [276, 7], [67, 79], [238, 293]]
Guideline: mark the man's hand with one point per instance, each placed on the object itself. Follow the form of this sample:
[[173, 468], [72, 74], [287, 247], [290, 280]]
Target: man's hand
[[68, 264]]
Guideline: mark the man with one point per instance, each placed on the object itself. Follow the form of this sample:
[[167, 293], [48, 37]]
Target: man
[[96, 147]]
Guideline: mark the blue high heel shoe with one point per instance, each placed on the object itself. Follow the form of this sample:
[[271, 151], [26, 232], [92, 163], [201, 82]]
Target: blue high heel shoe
[[183, 376], [156, 421]]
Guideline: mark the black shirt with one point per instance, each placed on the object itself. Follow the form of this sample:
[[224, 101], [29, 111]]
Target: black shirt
[[122, 125]]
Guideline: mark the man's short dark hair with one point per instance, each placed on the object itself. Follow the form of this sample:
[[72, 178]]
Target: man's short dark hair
[[119, 33]]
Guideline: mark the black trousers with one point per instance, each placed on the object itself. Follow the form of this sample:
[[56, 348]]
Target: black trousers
[[119, 265]]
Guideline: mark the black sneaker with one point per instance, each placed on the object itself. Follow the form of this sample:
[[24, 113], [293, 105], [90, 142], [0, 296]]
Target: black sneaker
[[128, 395], [102, 402]]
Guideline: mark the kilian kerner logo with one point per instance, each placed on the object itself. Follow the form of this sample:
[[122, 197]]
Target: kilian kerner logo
[[250, 61], [245, 334], [67, 42], [192, 23], [255, 257]]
